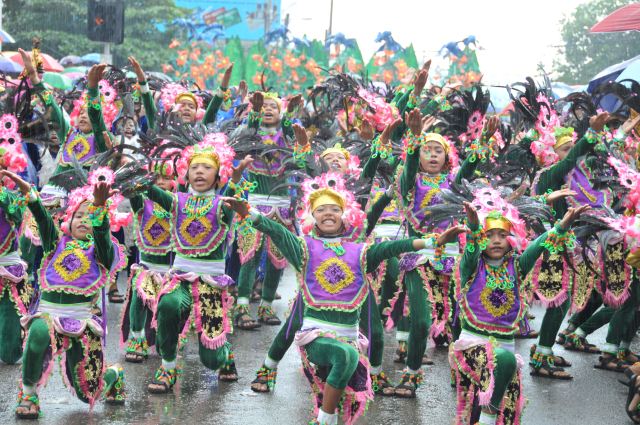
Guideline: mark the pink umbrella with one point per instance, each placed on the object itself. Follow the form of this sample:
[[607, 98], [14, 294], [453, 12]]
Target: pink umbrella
[[627, 18], [49, 63]]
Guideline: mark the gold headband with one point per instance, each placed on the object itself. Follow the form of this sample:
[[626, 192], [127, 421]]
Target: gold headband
[[562, 141], [435, 137], [336, 149], [325, 197], [273, 96], [187, 95], [205, 158], [497, 223]]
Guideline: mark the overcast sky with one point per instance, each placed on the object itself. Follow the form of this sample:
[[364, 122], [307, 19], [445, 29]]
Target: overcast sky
[[514, 36]]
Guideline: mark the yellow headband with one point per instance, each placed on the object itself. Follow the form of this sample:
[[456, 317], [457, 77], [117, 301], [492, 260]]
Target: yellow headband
[[435, 137], [205, 158], [273, 96], [187, 95], [497, 223], [325, 197], [563, 140], [336, 149]]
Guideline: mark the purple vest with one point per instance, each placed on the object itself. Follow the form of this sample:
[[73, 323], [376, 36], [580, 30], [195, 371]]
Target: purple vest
[[7, 234], [153, 234], [197, 236], [273, 163], [492, 310], [425, 196], [80, 146], [579, 181], [74, 271], [332, 282]]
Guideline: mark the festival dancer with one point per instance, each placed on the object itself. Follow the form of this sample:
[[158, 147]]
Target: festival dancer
[[148, 277], [333, 283], [201, 225], [78, 264], [427, 170], [274, 126], [490, 292]]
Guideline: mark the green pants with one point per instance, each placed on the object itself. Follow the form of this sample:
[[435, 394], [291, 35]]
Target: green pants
[[420, 312], [506, 366], [248, 275], [10, 330], [551, 323], [173, 312], [370, 321], [340, 357], [593, 304], [137, 312], [38, 343], [622, 325]]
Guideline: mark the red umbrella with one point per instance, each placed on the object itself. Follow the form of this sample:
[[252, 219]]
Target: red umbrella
[[627, 18], [48, 63]]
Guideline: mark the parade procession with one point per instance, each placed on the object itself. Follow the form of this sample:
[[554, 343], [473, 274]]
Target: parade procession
[[207, 217]]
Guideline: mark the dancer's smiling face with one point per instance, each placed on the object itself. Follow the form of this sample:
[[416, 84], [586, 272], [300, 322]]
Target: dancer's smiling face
[[328, 219]]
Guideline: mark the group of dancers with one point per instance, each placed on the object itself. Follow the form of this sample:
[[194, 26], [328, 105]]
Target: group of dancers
[[411, 208]]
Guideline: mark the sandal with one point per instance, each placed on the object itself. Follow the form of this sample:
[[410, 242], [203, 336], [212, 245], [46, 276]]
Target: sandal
[[267, 315], [558, 361], [611, 363], [634, 414], [561, 339], [265, 380], [381, 385], [115, 394], [529, 335], [242, 319], [27, 403], [228, 373], [543, 366], [401, 352], [579, 343], [409, 383], [137, 350], [163, 381], [426, 360], [115, 297]]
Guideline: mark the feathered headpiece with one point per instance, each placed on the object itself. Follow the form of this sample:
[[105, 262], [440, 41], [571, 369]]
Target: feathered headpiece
[[171, 94], [84, 194], [329, 188], [107, 100], [465, 119], [214, 150]]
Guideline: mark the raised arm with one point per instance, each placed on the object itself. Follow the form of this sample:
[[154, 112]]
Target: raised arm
[[147, 98], [95, 108], [161, 197], [218, 98]]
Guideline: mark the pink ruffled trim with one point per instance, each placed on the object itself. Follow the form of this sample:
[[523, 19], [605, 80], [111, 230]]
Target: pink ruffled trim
[[278, 263], [82, 381], [607, 296], [389, 324], [484, 397], [218, 237]]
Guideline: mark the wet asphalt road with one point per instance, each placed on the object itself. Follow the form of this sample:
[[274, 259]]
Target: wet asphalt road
[[593, 397]]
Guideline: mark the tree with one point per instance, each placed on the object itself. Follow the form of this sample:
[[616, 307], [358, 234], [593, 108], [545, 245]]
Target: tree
[[584, 54], [62, 26]]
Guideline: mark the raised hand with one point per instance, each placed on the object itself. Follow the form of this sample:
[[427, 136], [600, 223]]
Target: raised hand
[[294, 102], [597, 122], [302, 138], [450, 235], [414, 121], [559, 194], [630, 124], [29, 66], [472, 214], [240, 206], [236, 176], [226, 77], [385, 136], [24, 186], [256, 100], [491, 126], [428, 121], [137, 69], [366, 131], [101, 193], [95, 75], [572, 215], [420, 81], [243, 90]]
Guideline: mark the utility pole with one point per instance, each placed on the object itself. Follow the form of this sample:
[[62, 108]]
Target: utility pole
[[267, 16], [106, 54]]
